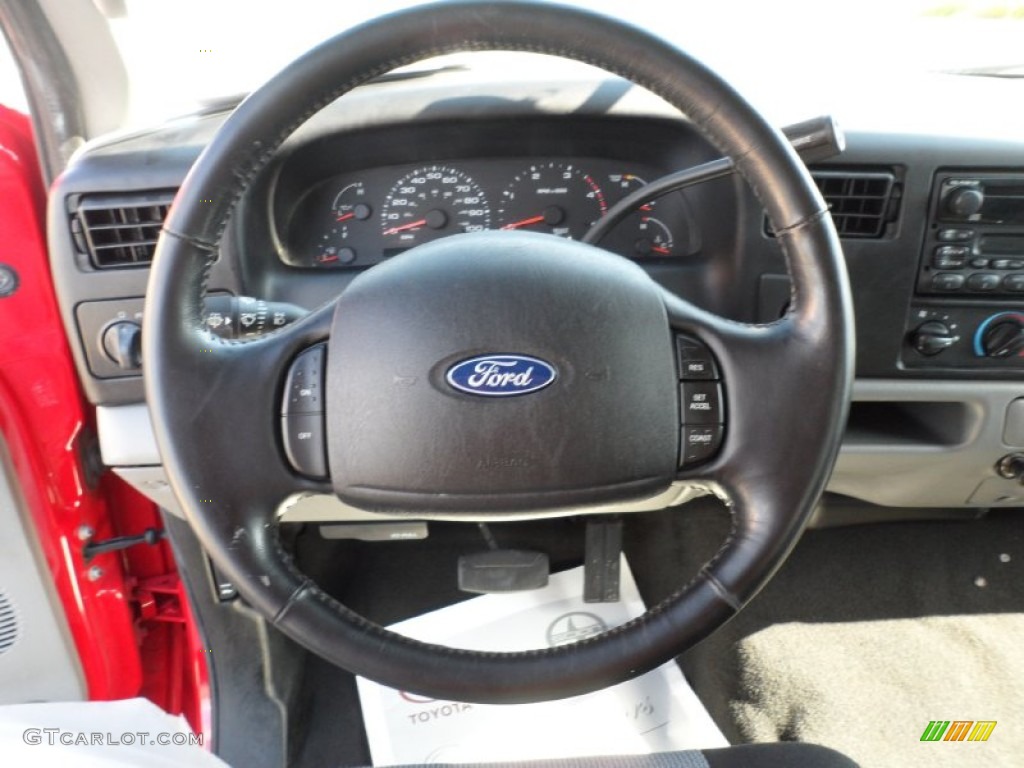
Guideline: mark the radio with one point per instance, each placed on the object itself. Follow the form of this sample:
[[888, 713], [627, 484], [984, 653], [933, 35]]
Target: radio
[[974, 245]]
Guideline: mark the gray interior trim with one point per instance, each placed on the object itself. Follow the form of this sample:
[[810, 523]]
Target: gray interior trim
[[126, 436], [942, 472], [950, 463], [152, 483], [39, 663]]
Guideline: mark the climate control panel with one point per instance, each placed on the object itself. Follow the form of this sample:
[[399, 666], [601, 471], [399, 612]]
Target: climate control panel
[[978, 338]]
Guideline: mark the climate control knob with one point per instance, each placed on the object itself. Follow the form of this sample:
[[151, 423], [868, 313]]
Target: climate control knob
[[933, 337], [1001, 335]]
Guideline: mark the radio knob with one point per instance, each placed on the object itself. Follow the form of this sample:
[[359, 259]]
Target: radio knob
[[964, 202], [1003, 338], [933, 337]]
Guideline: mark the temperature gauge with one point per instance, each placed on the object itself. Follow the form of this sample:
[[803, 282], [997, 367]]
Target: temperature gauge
[[348, 209], [647, 236]]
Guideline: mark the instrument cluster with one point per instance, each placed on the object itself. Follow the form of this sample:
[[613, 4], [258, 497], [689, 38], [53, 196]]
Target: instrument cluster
[[362, 218]]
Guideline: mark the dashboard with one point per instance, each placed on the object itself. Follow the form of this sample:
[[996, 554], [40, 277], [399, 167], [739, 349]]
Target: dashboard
[[360, 219], [937, 401]]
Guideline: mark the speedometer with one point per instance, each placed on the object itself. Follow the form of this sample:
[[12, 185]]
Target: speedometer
[[432, 202]]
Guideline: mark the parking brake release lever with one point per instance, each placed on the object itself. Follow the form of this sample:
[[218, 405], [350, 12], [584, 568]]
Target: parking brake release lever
[[814, 140]]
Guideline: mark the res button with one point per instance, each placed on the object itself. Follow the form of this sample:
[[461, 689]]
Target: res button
[[695, 360]]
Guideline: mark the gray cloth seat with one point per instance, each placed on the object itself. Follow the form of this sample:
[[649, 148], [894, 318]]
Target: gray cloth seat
[[775, 755]]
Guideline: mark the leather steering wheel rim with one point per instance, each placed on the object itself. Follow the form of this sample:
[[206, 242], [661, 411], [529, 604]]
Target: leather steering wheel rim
[[789, 381]]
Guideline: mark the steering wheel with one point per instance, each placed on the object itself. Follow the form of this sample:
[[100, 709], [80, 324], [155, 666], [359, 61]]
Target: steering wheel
[[416, 348]]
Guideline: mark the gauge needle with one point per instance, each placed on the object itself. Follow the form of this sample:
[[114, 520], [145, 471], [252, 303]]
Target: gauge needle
[[525, 222], [346, 216], [662, 251], [411, 225]]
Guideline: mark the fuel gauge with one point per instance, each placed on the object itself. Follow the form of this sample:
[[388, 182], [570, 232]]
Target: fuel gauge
[[348, 209], [654, 237], [641, 235]]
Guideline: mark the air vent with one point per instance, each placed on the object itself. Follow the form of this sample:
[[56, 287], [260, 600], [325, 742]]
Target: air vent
[[861, 203], [118, 230], [8, 624]]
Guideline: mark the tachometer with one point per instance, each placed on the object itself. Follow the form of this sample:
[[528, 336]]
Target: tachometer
[[433, 202], [553, 197]]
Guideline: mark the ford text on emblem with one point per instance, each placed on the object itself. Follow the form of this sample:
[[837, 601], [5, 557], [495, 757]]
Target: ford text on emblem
[[500, 375]]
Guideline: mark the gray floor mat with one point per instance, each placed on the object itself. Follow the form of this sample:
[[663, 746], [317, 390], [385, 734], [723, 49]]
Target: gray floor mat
[[869, 689], [868, 633]]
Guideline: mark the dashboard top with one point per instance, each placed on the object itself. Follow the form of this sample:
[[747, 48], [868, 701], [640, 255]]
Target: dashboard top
[[489, 140]]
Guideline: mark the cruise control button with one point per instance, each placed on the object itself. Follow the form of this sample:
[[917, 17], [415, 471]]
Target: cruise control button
[[700, 444], [947, 281], [984, 281], [304, 387], [695, 360], [304, 443], [701, 403]]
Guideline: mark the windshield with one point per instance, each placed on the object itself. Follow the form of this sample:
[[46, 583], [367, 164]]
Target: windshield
[[186, 53]]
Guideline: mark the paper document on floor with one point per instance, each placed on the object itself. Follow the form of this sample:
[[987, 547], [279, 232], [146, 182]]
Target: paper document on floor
[[654, 713]]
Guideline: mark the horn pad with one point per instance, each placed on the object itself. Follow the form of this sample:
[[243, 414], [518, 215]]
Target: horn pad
[[501, 372]]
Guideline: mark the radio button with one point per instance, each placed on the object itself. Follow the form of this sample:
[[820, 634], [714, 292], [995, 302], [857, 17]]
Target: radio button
[[954, 235], [947, 281], [983, 281], [1007, 264], [1014, 283], [950, 256], [979, 263]]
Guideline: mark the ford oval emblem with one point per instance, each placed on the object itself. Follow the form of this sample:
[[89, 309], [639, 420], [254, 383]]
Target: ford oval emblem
[[500, 375]]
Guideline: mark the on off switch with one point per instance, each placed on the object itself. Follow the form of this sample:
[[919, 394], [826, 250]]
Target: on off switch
[[302, 413], [303, 389]]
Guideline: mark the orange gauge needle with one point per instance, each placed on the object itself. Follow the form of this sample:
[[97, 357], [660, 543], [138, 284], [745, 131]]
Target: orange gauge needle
[[411, 225], [525, 222], [347, 216], [662, 251]]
